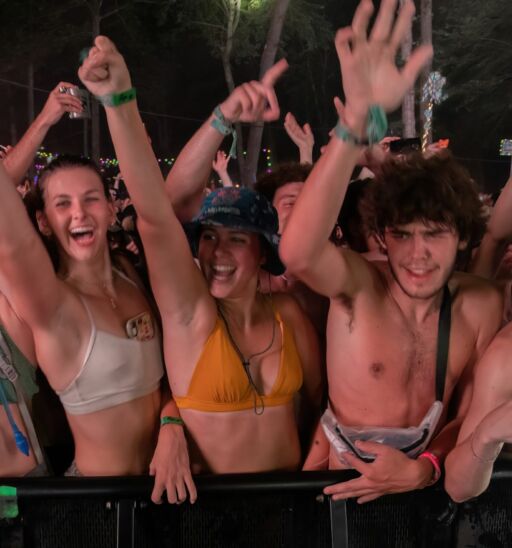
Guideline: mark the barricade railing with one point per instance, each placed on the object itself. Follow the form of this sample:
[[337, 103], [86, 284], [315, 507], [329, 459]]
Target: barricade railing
[[251, 510]]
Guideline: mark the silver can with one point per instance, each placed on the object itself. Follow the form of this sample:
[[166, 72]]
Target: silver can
[[83, 95]]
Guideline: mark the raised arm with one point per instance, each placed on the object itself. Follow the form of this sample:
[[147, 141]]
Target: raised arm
[[177, 283], [27, 277], [250, 102], [179, 288], [498, 233], [302, 136], [486, 426], [20, 158], [220, 166], [370, 78]]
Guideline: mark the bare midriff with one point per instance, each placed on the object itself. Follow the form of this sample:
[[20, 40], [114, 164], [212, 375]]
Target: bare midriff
[[241, 441], [117, 441]]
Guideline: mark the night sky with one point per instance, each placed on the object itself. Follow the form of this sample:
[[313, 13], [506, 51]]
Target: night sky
[[179, 81]]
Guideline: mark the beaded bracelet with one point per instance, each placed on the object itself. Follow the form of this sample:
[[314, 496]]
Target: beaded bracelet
[[375, 128], [224, 127], [171, 420], [434, 460], [116, 99]]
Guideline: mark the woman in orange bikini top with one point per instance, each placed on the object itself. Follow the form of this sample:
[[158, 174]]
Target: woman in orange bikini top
[[236, 359]]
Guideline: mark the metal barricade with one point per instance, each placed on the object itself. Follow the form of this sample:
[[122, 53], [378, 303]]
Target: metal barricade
[[250, 510]]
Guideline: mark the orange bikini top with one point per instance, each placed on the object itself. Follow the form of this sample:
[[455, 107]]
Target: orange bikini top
[[220, 383]]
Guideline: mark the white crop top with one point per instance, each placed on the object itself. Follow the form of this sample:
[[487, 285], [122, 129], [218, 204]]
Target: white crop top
[[115, 370]]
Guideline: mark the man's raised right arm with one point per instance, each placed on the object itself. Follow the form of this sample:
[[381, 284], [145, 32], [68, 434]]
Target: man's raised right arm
[[370, 79]]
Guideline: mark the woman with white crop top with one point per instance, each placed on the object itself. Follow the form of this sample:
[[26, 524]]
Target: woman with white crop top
[[95, 336]]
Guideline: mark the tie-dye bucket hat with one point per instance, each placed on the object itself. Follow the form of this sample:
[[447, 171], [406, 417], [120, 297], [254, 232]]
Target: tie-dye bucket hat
[[243, 209]]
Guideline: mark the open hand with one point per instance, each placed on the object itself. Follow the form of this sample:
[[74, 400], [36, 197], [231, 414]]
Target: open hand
[[171, 467], [220, 163], [302, 136], [390, 472], [369, 72]]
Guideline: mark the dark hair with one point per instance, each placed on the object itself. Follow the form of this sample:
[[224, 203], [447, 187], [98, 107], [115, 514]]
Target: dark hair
[[68, 161], [34, 199], [350, 220], [291, 172], [436, 189]]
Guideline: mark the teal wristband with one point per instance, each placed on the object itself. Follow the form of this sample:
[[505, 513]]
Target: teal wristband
[[344, 134], [226, 128], [116, 99], [377, 124], [375, 129], [171, 420]]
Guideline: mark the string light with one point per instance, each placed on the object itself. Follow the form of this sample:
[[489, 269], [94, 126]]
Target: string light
[[108, 163], [432, 95], [268, 159], [105, 163]]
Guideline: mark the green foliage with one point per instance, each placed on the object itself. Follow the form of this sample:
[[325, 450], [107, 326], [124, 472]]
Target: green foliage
[[305, 26], [474, 49]]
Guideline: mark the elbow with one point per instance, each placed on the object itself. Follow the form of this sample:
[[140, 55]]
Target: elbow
[[459, 485], [458, 492], [294, 257]]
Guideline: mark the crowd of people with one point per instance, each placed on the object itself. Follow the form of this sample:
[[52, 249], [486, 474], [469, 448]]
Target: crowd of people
[[319, 321]]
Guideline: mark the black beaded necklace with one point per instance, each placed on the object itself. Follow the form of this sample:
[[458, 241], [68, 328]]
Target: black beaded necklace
[[246, 361]]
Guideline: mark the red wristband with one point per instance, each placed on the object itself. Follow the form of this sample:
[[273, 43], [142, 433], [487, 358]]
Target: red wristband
[[435, 463]]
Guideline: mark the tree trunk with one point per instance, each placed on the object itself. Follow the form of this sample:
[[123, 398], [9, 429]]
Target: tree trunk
[[232, 8], [408, 104], [228, 75], [267, 60], [426, 38]]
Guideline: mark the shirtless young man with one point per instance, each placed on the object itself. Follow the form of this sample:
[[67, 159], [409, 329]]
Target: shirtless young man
[[383, 319]]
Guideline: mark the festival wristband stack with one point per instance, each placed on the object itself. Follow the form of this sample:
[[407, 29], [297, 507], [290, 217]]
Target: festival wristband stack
[[376, 128], [435, 463], [171, 420], [224, 127], [117, 99]]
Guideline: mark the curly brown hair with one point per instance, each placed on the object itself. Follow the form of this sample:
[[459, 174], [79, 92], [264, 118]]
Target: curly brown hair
[[291, 172], [436, 189]]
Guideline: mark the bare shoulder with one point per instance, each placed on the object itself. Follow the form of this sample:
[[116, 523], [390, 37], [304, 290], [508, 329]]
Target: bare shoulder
[[478, 303], [288, 307], [292, 314], [494, 370], [477, 296]]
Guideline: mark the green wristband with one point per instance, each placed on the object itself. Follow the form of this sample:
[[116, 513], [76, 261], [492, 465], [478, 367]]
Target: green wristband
[[376, 128], [171, 420], [116, 99]]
